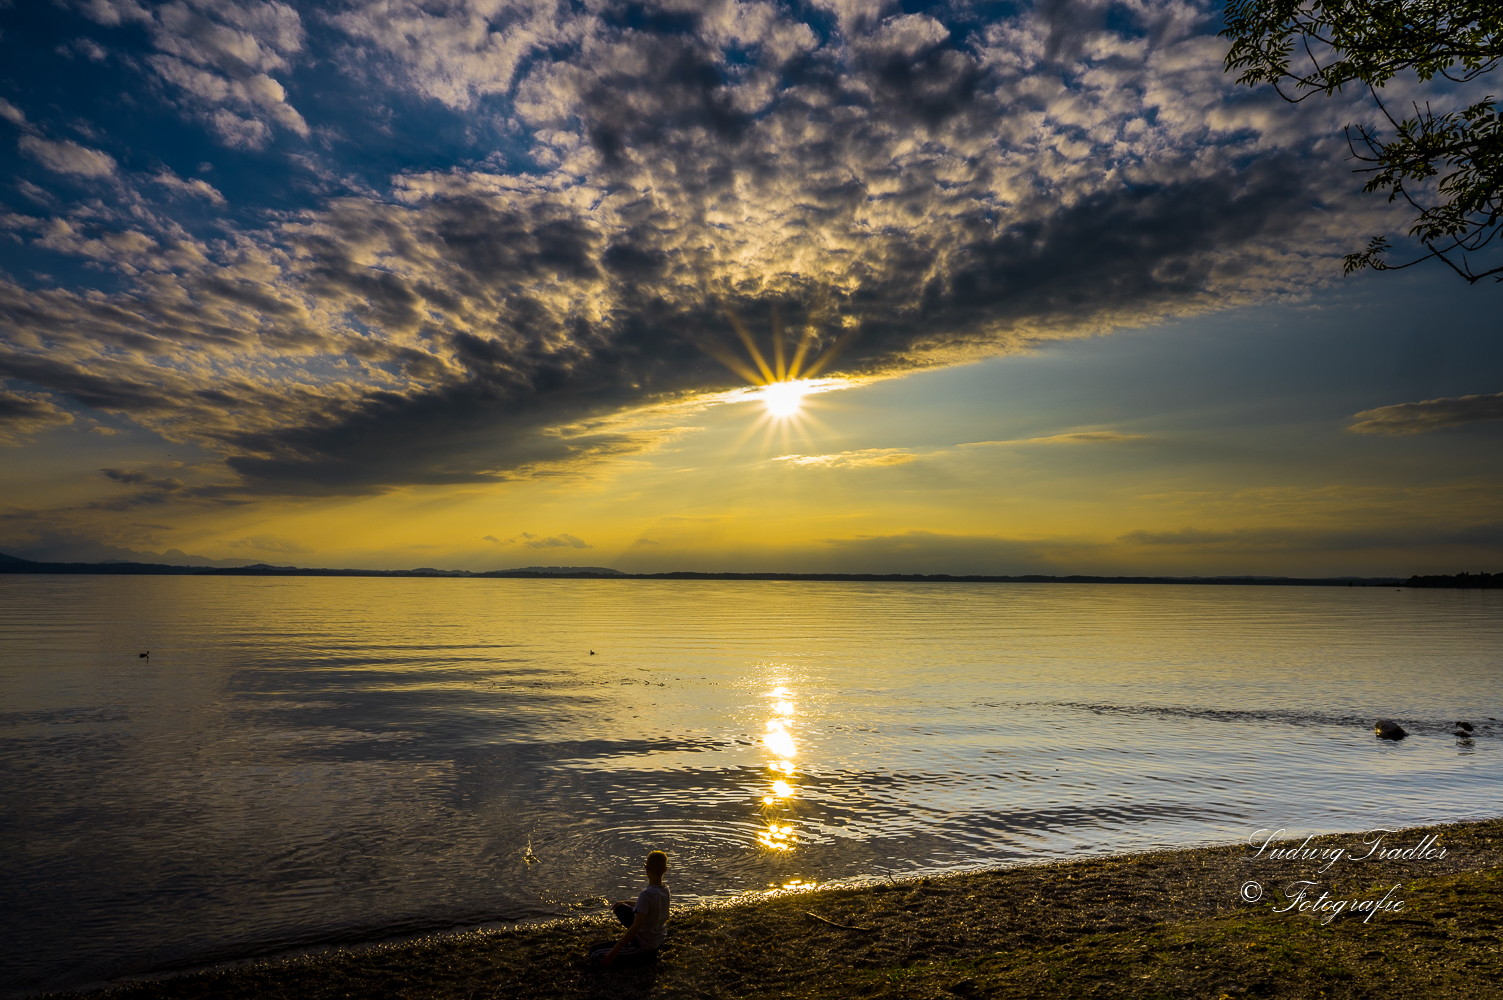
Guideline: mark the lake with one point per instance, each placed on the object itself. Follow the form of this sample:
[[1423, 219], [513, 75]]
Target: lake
[[322, 760]]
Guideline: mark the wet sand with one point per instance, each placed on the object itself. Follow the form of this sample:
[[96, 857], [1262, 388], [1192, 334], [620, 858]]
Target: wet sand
[[1165, 924]]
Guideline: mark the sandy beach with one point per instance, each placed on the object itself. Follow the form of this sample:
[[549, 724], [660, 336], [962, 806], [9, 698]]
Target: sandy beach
[[1422, 919]]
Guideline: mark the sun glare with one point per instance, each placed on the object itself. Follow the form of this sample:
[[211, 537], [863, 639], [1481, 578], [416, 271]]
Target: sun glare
[[783, 399], [779, 835]]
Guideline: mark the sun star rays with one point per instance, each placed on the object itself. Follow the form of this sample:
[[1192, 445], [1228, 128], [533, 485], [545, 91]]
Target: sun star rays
[[783, 382]]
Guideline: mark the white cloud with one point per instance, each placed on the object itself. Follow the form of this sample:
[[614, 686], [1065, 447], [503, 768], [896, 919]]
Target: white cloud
[[113, 13], [219, 56], [865, 458], [90, 50], [38, 194], [192, 186], [458, 50], [86, 47], [237, 132], [11, 113], [905, 37], [67, 157]]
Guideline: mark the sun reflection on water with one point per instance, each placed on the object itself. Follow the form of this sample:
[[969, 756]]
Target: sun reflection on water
[[779, 834], [779, 740]]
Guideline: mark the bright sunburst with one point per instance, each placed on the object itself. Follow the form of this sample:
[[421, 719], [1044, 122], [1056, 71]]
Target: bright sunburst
[[783, 399], [782, 380]]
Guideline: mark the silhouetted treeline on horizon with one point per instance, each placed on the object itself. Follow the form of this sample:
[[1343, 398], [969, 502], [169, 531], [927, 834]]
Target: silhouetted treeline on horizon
[[1471, 581], [12, 564]]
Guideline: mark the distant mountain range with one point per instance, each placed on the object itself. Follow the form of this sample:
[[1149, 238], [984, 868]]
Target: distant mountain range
[[567, 570], [12, 564], [75, 550], [205, 567]]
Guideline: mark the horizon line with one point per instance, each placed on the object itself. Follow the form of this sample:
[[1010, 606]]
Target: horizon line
[[16, 564]]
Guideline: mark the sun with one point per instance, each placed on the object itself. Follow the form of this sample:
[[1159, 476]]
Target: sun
[[784, 399], [783, 383]]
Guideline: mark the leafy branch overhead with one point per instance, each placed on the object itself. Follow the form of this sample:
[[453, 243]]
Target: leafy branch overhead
[[1447, 165]]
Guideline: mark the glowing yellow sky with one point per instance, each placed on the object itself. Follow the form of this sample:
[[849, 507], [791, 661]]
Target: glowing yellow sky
[[1182, 450]]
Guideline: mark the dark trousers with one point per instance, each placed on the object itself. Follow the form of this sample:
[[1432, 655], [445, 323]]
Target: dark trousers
[[628, 915]]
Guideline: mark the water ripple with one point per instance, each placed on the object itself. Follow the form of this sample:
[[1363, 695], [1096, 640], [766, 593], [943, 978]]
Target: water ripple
[[313, 761]]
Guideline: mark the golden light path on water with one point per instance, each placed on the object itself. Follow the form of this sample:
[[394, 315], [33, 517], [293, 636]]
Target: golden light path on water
[[779, 834]]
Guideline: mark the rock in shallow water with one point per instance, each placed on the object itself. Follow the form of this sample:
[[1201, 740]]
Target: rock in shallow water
[[1387, 729]]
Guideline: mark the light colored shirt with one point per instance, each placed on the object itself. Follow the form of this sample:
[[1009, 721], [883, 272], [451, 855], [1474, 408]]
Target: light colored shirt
[[653, 903]]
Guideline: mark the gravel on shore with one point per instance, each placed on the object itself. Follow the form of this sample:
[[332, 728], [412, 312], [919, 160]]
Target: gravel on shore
[[1157, 925]]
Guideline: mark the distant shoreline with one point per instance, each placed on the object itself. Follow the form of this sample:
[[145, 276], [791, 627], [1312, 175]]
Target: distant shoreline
[[12, 564]]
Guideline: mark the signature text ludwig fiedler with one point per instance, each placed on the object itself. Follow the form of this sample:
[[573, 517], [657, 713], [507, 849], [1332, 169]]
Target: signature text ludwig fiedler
[[1427, 849], [1301, 896]]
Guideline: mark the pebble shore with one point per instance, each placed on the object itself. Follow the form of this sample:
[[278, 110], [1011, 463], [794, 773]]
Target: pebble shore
[[1165, 924]]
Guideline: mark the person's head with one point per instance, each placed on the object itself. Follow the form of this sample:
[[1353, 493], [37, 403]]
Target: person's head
[[656, 865]]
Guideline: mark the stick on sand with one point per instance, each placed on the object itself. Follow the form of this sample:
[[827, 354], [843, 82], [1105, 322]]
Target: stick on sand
[[844, 927]]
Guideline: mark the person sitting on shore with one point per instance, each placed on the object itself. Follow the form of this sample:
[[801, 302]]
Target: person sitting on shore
[[646, 920]]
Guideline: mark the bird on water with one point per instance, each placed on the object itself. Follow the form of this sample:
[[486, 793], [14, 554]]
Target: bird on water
[[142, 656]]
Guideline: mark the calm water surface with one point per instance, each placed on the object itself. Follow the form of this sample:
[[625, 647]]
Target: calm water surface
[[304, 761]]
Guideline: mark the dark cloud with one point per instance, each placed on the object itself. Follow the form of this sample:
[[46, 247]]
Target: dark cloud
[[23, 413], [934, 552], [271, 544], [132, 477], [564, 541], [1183, 536], [920, 189], [1325, 538], [146, 489], [1428, 415]]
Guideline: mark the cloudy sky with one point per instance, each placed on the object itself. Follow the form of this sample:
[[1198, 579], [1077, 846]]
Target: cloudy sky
[[490, 283]]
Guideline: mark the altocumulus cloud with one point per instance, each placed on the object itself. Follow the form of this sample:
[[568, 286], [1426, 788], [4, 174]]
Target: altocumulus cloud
[[215, 58], [926, 186]]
